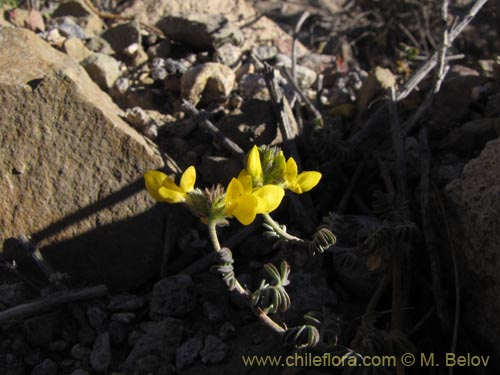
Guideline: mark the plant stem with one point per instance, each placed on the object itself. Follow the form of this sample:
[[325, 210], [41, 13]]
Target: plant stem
[[282, 233], [242, 292], [212, 232]]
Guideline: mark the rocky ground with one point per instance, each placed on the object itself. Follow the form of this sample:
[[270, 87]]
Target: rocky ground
[[98, 279]]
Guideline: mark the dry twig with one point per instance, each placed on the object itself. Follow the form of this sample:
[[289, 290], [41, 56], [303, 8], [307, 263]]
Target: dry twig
[[49, 303]]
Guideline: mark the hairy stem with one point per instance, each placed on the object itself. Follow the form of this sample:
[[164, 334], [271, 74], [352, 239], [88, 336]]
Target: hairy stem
[[242, 292], [282, 233]]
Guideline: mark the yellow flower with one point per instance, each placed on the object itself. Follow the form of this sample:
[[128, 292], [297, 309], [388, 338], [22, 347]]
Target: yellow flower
[[244, 203], [300, 183], [254, 166], [164, 189]]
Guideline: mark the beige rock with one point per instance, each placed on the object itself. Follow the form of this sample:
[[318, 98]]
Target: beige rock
[[257, 29], [215, 81], [474, 220], [75, 48], [71, 169]]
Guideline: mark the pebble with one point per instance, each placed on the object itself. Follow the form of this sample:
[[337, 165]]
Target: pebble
[[126, 302], [188, 352], [228, 54], [100, 357], [79, 372], [214, 351], [265, 53], [75, 48], [123, 317], [149, 363], [80, 352], [173, 296], [47, 367], [227, 330], [68, 28], [96, 317], [175, 67], [103, 69], [195, 82]]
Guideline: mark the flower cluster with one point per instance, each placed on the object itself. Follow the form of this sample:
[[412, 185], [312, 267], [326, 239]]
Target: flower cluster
[[258, 189]]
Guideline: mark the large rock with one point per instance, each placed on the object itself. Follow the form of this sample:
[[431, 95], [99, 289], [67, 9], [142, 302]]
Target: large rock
[[256, 29], [474, 221], [71, 168]]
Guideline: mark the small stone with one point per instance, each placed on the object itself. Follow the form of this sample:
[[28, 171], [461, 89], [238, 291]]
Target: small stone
[[227, 330], [188, 352], [305, 76], [214, 351], [175, 67], [137, 117], [228, 54], [100, 357], [103, 69], [79, 372], [265, 53], [159, 74], [123, 317], [201, 31], [69, 28], [122, 36], [98, 44], [39, 330], [83, 15], [160, 338], [47, 367], [81, 353], [96, 317], [121, 85], [126, 302], [75, 48], [149, 363], [54, 37], [12, 294], [173, 296], [212, 80]]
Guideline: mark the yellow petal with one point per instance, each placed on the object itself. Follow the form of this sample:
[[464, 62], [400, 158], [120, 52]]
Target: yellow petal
[[269, 198], [246, 211], [188, 179], [246, 181], [254, 166], [291, 171], [154, 181], [233, 193], [171, 195], [308, 180], [295, 187]]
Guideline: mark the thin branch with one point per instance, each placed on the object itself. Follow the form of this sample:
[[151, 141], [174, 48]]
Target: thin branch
[[417, 77], [49, 303], [437, 286], [228, 144], [317, 114], [283, 233], [298, 26]]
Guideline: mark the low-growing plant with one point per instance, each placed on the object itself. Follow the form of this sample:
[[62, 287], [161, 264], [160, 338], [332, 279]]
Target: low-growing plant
[[257, 190]]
